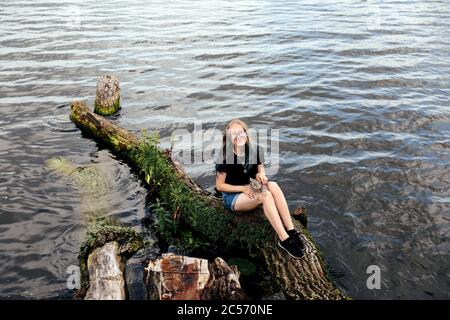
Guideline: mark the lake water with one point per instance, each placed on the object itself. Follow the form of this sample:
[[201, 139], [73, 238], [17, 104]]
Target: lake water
[[358, 90]]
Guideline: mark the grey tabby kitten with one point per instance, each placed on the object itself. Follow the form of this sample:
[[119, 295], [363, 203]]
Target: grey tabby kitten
[[257, 186]]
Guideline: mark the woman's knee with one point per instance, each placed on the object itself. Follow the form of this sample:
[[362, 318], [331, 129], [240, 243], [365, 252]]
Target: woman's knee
[[265, 196], [244, 203], [272, 185]]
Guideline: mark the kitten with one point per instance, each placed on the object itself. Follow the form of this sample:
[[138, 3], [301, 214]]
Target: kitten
[[257, 186]]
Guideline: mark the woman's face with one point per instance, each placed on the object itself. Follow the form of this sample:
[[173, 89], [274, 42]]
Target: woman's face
[[237, 134]]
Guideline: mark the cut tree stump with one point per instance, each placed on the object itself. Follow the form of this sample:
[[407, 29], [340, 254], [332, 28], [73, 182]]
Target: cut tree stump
[[224, 282], [175, 277], [107, 98], [106, 274], [205, 213], [101, 259]]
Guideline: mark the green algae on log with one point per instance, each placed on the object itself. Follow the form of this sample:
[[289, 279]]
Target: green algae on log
[[205, 213], [91, 184], [107, 98]]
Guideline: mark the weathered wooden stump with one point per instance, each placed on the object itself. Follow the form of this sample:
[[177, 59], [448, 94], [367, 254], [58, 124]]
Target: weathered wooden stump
[[106, 278], [102, 260], [224, 282], [301, 215], [107, 98], [175, 277]]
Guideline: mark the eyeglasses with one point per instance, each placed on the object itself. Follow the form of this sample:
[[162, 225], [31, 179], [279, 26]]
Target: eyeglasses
[[238, 134]]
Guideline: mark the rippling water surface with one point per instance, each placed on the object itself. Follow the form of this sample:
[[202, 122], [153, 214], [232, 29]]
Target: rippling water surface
[[358, 89]]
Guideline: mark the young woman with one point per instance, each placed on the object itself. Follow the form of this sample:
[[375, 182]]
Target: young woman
[[235, 167]]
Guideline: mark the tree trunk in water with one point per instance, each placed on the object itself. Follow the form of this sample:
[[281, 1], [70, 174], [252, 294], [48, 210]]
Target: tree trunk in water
[[107, 98], [205, 213]]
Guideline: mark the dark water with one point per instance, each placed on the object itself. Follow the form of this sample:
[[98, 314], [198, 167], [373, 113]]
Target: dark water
[[359, 91]]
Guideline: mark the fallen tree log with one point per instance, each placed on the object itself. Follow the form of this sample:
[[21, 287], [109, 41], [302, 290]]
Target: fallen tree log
[[204, 212]]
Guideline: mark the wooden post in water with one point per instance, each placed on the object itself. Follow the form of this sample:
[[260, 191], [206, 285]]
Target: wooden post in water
[[107, 97]]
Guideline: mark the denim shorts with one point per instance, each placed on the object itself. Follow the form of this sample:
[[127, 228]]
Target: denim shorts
[[229, 199]]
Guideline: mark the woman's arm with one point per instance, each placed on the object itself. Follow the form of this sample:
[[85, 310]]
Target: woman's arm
[[261, 169], [225, 187], [261, 175]]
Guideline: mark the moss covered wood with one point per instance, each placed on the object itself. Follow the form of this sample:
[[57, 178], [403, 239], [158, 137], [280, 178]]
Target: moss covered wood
[[107, 98], [205, 213]]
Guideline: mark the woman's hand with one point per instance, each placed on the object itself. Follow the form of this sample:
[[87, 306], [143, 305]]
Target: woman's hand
[[262, 178], [248, 191]]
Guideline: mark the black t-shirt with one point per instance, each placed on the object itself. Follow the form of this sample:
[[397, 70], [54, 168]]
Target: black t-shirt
[[243, 168]]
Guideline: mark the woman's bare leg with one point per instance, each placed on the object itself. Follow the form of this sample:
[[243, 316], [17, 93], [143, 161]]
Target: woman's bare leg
[[271, 213], [280, 202], [244, 203]]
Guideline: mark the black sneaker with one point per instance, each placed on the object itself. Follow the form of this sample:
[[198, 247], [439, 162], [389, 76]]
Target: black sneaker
[[290, 245], [296, 234]]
